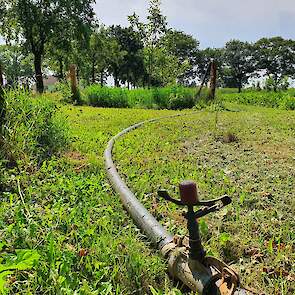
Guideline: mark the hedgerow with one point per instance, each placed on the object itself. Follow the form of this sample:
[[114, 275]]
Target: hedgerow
[[178, 97]]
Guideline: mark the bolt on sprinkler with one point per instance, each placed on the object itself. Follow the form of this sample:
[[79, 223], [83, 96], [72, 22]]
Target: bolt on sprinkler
[[200, 272]]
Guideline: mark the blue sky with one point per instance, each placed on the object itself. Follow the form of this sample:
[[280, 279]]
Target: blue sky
[[212, 22]]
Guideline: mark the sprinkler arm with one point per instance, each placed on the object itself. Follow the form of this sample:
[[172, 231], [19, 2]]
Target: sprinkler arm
[[210, 206]]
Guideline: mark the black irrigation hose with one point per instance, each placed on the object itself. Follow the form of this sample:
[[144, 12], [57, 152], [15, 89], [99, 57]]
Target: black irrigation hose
[[145, 220]]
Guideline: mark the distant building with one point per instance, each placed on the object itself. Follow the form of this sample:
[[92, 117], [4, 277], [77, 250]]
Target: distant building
[[49, 82]]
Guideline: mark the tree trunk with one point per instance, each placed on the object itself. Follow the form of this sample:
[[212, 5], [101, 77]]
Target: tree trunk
[[38, 72], [93, 70], [61, 69], [1, 77], [240, 87], [150, 72], [74, 84], [101, 78], [116, 80], [276, 83]]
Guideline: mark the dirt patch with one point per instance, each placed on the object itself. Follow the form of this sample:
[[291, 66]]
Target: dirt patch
[[278, 151], [78, 160], [75, 156]]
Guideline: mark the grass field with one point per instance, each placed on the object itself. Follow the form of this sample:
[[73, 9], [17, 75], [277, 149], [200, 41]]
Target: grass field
[[66, 211], [247, 153], [86, 242]]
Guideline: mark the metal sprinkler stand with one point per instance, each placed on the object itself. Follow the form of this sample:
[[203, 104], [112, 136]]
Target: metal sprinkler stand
[[201, 273]]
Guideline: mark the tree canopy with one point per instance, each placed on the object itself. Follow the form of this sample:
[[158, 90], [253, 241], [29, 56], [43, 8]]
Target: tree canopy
[[50, 35], [36, 23], [239, 63], [276, 56]]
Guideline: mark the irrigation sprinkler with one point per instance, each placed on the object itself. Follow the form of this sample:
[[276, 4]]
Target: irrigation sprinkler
[[187, 260], [206, 275]]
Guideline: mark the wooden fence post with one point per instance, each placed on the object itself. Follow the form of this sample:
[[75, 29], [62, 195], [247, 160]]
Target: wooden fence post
[[74, 84], [213, 80]]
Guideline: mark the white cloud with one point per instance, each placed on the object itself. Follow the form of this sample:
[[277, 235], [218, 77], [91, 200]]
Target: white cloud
[[213, 22]]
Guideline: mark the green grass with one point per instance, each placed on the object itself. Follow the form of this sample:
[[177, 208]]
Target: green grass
[[176, 97], [283, 99], [247, 153], [65, 212], [179, 97]]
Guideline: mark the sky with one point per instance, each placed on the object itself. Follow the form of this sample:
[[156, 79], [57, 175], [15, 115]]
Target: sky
[[212, 22]]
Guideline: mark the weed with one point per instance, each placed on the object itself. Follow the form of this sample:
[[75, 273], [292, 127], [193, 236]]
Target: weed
[[86, 242], [33, 127], [178, 97], [106, 97], [229, 137]]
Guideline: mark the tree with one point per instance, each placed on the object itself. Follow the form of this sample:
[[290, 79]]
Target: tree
[[116, 58], [35, 23], [151, 33], [99, 54], [239, 63], [16, 65], [131, 67], [185, 48], [203, 60], [276, 56], [59, 52], [167, 68]]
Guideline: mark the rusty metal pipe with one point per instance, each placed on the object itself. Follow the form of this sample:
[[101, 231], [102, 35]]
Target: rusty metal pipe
[[191, 272]]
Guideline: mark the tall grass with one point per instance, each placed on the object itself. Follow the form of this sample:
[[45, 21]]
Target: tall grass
[[32, 129], [178, 97], [156, 98], [283, 99]]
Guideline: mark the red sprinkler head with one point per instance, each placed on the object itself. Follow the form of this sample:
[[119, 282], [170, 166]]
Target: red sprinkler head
[[188, 192]]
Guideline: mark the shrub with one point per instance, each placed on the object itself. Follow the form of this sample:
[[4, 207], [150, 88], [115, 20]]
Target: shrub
[[33, 128], [178, 97], [284, 100], [175, 97], [181, 98], [106, 97], [64, 89], [141, 98], [287, 102]]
